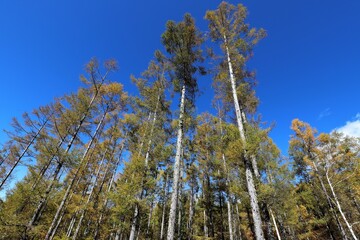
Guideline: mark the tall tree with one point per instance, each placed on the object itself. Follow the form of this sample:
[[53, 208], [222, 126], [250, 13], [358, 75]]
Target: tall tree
[[182, 42], [227, 26]]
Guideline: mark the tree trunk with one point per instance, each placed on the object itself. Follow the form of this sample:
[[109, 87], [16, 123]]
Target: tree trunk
[[97, 230], [134, 222], [328, 199], [68, 190], [249, 175], [231, 235], [165, 193], [147, 233], [227, 180], [58, 224], [136, 211], [55, 176], [71, 225], [206, 232], [339, 207], [83, 211], [275, 224], [44, 198], [179, 212], [191, 214], [174, 195], [238, 218], [23, 153]]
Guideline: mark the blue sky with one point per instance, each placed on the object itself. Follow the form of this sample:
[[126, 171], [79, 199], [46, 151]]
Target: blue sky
[[308, 67]]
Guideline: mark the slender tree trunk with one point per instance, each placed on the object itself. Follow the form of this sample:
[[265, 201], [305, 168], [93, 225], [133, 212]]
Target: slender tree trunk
[[71, 225], [238, 218], [206, 232], [165, 193], [147, 233], [231, 235], [134, 222], [68, 190], [179, 212], [138, 233], [77, 129], [23, 153], [227, 180], [44, 198], [174, 195], [339, 207], [136, 211], [55, 176], [249, 175], [221, 214], [83, 211], [48, 163], [329, 202], [275, 224], [58, 224], [97, 230], [191, 214]]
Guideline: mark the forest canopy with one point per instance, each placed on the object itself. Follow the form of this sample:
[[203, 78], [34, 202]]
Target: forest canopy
[[103, 163]]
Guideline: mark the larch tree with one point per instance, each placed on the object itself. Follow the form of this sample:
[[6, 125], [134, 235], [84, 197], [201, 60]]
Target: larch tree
[[182, 42], [227, 26]]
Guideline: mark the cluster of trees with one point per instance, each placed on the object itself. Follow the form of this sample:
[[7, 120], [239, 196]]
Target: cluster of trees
[[103, 164]]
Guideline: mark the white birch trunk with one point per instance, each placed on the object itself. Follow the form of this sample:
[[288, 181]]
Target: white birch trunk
[[133, 223], [328, 199], [179, 198], [249, 175], [275, 224], [174, 195], [231, 235], [339, 207]]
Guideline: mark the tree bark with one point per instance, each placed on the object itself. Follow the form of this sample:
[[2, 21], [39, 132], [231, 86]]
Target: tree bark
[[147, 233], [328, 199], [238, 218], [174, 195], [227, 181], [165, 192], [339, 207], [275, 224], [191, 213], [249, 175]]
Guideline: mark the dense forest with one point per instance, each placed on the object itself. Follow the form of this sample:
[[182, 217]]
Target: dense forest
[[105, 164]]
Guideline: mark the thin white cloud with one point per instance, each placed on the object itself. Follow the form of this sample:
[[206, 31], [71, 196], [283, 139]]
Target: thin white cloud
[[351, 128], [326, 112]]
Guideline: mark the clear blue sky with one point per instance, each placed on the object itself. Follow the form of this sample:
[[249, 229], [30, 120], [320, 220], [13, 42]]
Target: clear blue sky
[[308, 67]]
